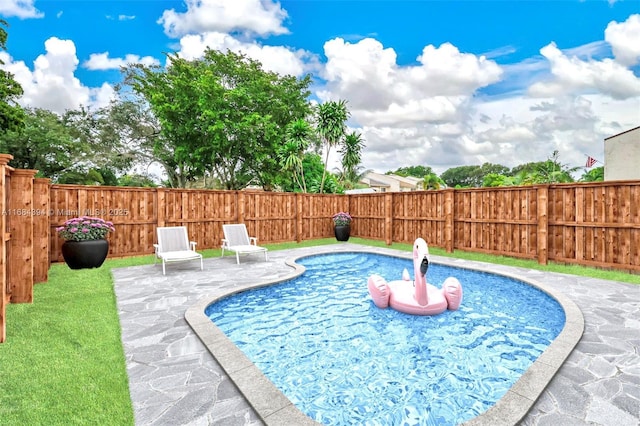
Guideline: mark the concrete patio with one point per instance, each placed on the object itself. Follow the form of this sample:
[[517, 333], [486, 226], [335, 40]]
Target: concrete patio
[[175, 380]]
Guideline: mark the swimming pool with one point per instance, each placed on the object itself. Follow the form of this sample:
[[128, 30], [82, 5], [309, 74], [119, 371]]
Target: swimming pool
[[345, 361]]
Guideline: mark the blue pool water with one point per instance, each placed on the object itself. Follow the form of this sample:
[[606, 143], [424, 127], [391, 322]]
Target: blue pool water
[[320, 339]]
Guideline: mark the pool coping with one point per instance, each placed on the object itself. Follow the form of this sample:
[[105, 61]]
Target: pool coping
[[274, 408]]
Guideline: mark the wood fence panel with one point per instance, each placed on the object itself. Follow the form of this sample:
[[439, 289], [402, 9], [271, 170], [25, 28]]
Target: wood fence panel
[[368, 211], [20, 217], [271, 216], [596, 224]]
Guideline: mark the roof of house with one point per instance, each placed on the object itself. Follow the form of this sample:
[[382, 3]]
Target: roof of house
[[622, 133]]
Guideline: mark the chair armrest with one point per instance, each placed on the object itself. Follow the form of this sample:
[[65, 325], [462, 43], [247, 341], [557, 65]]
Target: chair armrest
[[193, 245], [225, 243], [253, 240]]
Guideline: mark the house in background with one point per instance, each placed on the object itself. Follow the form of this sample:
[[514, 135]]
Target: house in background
[[391, 183], [622, 156]]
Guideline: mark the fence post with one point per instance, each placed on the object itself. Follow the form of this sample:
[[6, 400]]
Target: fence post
[[449, 195], [388, 218], [161, 206], [299, 228], [543, 223], [4, 299], [41, 229], [240, 212], [20, 216]]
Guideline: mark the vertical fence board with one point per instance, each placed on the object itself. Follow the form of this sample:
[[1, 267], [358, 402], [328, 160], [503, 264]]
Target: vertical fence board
[[41, 230], [4, 288]]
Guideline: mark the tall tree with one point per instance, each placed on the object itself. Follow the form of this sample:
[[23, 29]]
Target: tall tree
[[351, 151], [222, 114], [119, 136], [44, 143], [11, 114], [331, 126], [298, 136]]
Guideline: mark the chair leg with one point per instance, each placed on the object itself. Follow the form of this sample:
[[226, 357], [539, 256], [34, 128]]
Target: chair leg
[[164, 272], [237, 258], [201, 265]]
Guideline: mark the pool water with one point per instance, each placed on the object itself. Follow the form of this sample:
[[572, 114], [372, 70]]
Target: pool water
[[320, 339]]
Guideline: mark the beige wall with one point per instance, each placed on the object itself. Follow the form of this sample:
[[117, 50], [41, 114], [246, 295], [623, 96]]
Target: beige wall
[[622, 156]]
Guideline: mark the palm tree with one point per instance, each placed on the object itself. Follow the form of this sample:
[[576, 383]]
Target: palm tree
[[331, 126], [292, 152], [433, 181], [351, 151]]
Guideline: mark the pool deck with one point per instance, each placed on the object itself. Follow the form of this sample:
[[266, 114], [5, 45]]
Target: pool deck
[[589, 375]]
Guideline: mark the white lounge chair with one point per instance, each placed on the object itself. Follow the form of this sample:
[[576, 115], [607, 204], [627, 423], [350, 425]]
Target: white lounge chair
[[174, 246], [236, 239]]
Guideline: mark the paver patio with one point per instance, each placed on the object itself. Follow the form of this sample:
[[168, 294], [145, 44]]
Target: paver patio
[[174, 379]]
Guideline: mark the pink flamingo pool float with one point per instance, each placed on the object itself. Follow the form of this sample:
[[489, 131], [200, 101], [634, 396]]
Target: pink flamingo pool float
[[420, 298]]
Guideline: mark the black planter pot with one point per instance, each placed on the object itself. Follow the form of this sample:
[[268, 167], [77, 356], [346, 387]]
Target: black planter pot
[[85, 254], [342, 232]]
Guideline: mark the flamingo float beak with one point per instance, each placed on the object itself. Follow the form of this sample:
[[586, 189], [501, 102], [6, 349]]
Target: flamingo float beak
[[422, 252]]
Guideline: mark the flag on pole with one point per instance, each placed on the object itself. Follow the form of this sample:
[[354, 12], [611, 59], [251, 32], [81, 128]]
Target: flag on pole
[[590, 162]]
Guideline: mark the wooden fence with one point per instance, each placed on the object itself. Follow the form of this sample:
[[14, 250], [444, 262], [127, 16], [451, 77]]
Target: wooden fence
[[593, 224]]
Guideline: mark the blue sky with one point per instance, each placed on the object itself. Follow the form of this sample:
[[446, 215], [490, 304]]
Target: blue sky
[[438, 83]]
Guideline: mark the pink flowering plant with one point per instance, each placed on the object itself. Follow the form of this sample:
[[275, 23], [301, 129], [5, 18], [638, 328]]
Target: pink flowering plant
[[342, 219], [85, 228]]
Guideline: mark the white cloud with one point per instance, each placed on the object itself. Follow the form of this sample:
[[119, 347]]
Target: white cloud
[[368, 76], [572, 75], [430, 114], [102, 61], [624, 39], [19, 8], [52, 83], [261, 17], [278, 59]]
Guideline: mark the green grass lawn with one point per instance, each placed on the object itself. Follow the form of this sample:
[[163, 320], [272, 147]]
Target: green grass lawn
[[63, 361]]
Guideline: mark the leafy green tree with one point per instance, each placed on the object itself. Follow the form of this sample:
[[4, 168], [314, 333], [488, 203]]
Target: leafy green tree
[[45, 143], [222, 114], [549, 171], [552, 171], [351, 152], [487, 168], [137, 180], [594, 175], [471, 176], [106, 135], [313, 167], [415, 171], [81, 176], [496, 179], [331, 124], [461, 177], [11, 114]]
